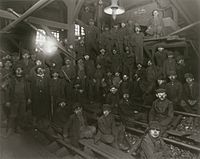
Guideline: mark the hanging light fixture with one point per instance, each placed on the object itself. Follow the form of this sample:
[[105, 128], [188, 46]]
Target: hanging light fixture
[[114, 9]]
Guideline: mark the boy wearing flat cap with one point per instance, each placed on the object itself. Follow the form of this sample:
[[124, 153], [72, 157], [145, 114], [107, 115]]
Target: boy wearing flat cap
[[109, 131], [106, 126], [152, 145], [162, 110], [174, 89], [169, 64], [190, 101], [77, 128]]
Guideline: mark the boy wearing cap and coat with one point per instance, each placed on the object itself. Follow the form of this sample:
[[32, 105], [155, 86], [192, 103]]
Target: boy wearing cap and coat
[[57, 90], [113, 97], [91, 38], [152, 145], [77, 128], [139, 40], [60, 118], [162, 110], [160, 56], [39, 93], [190, 101], [174, 89], [169, 64], [108, 132]]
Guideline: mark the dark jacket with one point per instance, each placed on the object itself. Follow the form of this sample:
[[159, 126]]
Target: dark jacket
[[106, 124], [151, 148], [174, 91], [72, 127], [162, 111]]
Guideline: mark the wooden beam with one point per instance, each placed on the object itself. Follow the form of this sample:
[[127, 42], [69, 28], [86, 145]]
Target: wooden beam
[[177, 6], [77, 9], [34, 20], [138, 5], [70, 4], [25, 15], [185, 28]]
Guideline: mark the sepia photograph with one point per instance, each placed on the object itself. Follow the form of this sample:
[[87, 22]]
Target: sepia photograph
[[99, 79]]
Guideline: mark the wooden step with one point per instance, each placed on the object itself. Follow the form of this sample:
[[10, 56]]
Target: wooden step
[[62, 152], [53, 147], [76, 150], [105, 150]]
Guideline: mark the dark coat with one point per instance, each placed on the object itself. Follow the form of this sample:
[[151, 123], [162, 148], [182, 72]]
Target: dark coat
[[40, 95], [160, 57], [174, 91], [80, 51], [112, 99], [151, 148], [162, 111], [72, 127], [89, 68], [138, 49], [169, 66], [105, 41], [126, 108], [116, 62], [106, 125], [191, 92], [27, 66], [61, 116]]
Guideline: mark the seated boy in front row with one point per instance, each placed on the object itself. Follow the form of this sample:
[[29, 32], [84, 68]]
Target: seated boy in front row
[[152, 145], [162, 110], [109, 132], [77, 128]]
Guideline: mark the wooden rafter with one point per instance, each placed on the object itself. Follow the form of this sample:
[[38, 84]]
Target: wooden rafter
[[138, 5], [185, 28], [77, 9], [34, 20], [25, 15], [180, 10]]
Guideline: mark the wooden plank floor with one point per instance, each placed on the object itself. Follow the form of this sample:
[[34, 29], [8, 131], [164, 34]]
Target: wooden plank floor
[[23, 146]]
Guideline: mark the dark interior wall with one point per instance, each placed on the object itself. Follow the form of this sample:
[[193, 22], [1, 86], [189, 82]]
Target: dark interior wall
[[140, 18]]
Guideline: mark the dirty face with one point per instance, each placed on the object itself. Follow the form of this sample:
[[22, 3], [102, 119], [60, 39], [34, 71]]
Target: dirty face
[[55, 75], [106, 112], [160, 81], [172, 77], [189, 80], [161, 96], [113, 90], [38, 62], [154, 132], [87, 57], [26, 56], [19, 72], [40, 71], [126, 96], [125, 77], [78, 110], [114, 51], [149, 63], [62, 104], [139, 66]]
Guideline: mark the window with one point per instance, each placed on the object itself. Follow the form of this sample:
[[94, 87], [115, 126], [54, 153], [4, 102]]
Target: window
[[79, 31], [41, 37]]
